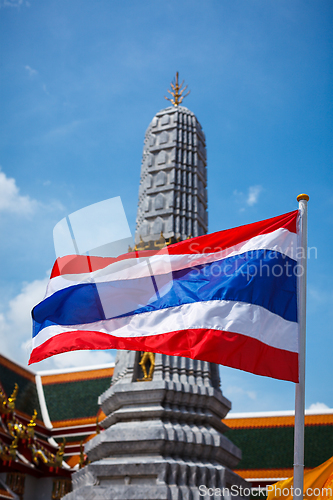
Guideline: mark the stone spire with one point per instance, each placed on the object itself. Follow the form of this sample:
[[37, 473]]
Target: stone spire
[[163, 434], [173, 184]]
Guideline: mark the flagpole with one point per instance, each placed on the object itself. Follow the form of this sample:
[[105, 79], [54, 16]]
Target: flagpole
[[300, 387]]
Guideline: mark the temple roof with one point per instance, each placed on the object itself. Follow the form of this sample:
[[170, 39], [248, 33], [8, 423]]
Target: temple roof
[[67, 406], [11, 373], [74, 395], [66, 401], [267, 442]]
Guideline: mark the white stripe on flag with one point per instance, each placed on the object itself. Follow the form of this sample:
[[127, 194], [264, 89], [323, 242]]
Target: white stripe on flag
[[280, 240], [237, 317]]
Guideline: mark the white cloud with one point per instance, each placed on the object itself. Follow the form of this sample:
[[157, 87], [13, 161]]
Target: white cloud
[[45, 89], [318, 406], [34, 73], [82, 358], [11, 200], [63, 130], [249, 199], [14, 3], [15, 321], [16, 331], [11, 3], [253, 195], [233, 391], [31, 71]]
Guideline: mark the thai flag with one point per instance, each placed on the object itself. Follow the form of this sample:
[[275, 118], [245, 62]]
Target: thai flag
[[229, 297]]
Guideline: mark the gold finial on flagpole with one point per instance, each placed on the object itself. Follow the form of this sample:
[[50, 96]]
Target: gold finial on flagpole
[[177, 92], [303, 197]]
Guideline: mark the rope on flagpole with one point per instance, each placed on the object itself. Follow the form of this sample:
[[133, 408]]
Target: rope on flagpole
[[300, 387]]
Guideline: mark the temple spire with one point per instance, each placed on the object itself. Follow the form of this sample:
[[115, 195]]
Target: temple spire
[[177, 92], [172, 194]]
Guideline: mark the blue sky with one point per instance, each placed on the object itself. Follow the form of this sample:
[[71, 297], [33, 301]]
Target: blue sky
[[80, 83]]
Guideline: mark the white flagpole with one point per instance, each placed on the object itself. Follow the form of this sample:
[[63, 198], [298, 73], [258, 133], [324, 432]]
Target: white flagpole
[[300, 387]]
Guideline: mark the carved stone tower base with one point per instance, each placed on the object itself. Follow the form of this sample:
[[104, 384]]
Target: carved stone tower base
[[163, 439]]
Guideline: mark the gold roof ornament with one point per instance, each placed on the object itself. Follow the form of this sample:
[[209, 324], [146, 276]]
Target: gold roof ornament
[[141, 245], [31, 425], [7, 405], [12, 399], [39, 454], [83, 460], [98, 429], [13, 447], [59, 456], [160, 243], [177, 92]]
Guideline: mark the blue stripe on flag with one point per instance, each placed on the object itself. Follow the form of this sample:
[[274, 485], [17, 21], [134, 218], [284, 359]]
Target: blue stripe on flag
[[261, 277]]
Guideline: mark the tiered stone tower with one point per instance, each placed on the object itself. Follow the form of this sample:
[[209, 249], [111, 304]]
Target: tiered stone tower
[[163, 437], [173, 194]]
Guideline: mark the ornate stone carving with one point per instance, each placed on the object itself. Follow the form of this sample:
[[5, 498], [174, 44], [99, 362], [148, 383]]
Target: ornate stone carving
[[184, 157]]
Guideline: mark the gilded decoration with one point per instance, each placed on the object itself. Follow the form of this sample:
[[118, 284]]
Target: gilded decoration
[[83, 460], [177, 91], [147, 358], [20, 438]]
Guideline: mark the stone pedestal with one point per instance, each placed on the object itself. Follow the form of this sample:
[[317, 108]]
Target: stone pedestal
[[163, 439]]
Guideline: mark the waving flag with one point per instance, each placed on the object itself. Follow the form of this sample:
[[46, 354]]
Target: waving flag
[[229, 297]]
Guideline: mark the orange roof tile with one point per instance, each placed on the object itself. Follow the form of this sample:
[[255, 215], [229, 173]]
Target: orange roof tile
[[76, 376], [74, 422], [5, 494], [266, 473], [319, 419], [73, 460], [79, 421], [277, 421]]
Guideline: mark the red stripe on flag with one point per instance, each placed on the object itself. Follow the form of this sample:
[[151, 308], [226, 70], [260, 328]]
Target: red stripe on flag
[[209, 243], [221, 240], [77, 264], [225, 348]]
